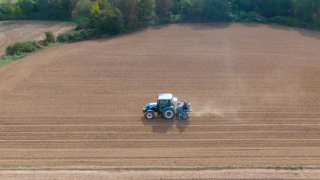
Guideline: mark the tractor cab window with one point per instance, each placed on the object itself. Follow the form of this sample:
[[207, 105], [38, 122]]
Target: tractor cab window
[[163, 104]]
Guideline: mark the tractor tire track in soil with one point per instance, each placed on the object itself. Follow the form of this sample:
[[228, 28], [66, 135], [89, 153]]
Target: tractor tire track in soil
[[255, 94]]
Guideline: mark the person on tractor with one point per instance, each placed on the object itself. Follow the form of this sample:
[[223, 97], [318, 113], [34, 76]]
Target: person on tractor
[[184, 105]]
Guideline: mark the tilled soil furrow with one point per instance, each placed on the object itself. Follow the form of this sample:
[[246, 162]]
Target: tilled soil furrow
[[161, 173], [148, 158], [133, 121], [159, 152], [156, 136], [253, 161], [55, 144], [168, 127]]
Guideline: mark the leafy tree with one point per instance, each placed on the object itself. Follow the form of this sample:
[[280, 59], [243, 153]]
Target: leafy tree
[[163, 9], [177, 7], [307, 10], [95, 10], [205, 10], [26, 6], [195, 12], [82, 10], [244, 5], [268, 8], [112, 2], [73, 4], [8, 10], [52, 9], [103, 4], [45, 5], [145, 10], [109, 19], [65, 5], [271, 8], [283, 8], [185, 7], [128, 9], [18, 10], [215, 9], [317, 16], [81, 14]]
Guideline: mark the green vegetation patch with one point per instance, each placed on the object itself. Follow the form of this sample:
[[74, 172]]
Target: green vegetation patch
[[251, 16], [6, 59], [6, 1], [288, 21], [293, 22], [20, 48], [80, 35]]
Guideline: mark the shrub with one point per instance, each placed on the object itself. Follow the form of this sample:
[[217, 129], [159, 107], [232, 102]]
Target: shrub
[[78, 35], [255, 17], [83, 23], [249, 17], [23, 47], [293, 22], [279, 20], [175, 18], [50, 37]]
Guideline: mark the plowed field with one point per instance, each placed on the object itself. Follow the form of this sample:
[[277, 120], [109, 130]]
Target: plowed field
[[255, 91], [17, 31]]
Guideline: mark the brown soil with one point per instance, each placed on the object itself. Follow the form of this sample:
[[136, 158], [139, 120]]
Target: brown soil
[[254, 89], [17, 31], [223, 174]]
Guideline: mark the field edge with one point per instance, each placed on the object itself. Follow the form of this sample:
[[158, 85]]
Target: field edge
[[164, 168]]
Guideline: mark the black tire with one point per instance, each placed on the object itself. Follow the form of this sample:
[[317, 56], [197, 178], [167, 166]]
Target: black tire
[[149, 115], [168, 114]]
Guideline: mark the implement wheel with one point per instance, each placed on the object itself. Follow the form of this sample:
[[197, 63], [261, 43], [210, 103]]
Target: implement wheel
[[185, 115], [168, 114], [149, 115]]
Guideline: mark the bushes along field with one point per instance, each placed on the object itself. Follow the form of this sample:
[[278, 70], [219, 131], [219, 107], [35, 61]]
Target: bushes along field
[[20, 48]]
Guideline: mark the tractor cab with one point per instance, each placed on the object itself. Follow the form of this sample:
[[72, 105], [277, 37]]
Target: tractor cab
[[163, 107], [164, 101]]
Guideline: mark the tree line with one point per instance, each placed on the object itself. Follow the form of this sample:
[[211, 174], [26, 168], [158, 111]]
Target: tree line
[[114, 16]]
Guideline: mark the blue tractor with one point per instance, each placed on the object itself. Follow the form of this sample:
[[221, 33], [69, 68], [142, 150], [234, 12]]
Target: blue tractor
[[166, 108]]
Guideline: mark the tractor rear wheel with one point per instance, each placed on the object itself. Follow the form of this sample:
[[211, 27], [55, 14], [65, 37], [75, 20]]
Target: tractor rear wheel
[[168, 114], [149, 115]]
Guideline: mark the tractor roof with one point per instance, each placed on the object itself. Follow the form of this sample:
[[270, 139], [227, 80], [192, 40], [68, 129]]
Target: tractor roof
[[165, 96]]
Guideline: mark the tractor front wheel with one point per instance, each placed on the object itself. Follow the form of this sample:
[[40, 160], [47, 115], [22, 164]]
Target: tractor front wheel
[[168, 114], [149, 114]]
